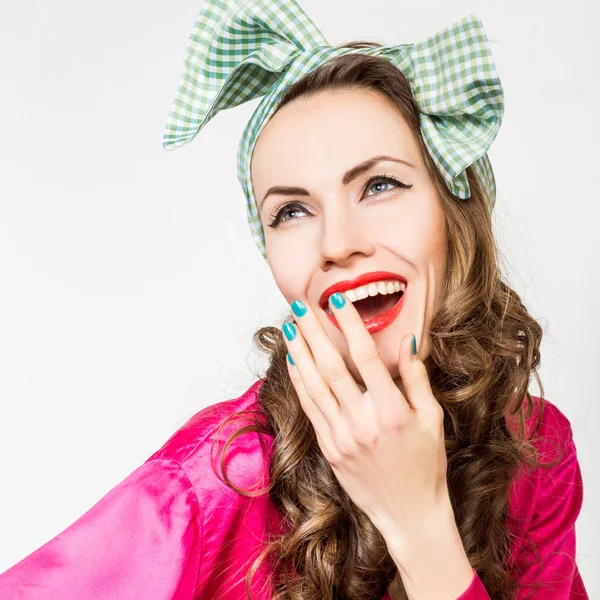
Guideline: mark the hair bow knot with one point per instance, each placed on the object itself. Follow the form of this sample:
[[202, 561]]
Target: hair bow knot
[[244, 49]]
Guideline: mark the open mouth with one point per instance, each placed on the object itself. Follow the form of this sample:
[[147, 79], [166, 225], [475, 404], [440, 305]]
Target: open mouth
[[373, 306]]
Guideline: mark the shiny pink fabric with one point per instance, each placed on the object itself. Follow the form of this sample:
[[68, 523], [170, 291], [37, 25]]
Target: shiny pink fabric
[[172, 530]]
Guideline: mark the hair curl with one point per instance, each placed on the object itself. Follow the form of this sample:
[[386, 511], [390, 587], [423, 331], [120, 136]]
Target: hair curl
[[484, 347]]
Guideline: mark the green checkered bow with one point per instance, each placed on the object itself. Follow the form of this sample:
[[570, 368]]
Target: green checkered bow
[[243, 49]]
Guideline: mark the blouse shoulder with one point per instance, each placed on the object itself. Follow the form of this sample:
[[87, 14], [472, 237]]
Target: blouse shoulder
[[553, 441], [554, 427], [545, 503], [234, 527], [196, 445]]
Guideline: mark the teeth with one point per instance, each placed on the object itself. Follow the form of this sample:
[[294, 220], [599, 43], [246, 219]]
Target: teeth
[[372, 289]]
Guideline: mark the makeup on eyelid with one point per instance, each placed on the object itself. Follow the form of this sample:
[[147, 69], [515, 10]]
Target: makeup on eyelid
[[280, 210]]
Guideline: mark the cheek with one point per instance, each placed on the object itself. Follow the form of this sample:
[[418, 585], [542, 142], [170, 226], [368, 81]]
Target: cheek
[[282, 253], [427, 232], [439, 254], [418, 236], [292, 263], [291, 282]]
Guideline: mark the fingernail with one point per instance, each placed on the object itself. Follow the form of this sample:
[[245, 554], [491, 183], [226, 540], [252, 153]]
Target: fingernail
[[290, 358], [289, 330], [299, 308], [414, 344], [338, 300]]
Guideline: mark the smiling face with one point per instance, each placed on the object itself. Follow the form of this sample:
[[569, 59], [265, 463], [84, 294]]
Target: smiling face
[[347, 224]]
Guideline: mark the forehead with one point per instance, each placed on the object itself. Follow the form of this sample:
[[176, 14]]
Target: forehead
[[332, 129]]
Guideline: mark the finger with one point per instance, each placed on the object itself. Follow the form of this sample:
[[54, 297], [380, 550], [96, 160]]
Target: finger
[[363, 351], [415, 377], [314, 384], [328, 360], [312, 411]]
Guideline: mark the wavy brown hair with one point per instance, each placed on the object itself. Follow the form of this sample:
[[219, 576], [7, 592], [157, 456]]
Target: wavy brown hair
[[484, 348]]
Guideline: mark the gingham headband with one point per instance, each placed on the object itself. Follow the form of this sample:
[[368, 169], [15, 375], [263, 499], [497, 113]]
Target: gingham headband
[[243, 49]]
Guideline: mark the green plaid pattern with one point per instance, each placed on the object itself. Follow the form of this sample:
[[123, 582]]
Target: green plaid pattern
[[244, 49]]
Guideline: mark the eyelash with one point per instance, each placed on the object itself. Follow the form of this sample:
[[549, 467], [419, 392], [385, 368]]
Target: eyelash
[[280, 211]]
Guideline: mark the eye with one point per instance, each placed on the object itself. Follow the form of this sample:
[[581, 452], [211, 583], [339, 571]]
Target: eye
[[384, 179], [281, 211], [284, 210]]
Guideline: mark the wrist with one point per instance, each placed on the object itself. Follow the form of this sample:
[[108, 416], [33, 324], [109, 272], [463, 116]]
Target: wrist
[[434, 529], [434, 546]]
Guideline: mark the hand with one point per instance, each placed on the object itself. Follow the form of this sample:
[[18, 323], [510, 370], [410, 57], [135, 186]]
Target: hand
[[386, 450]]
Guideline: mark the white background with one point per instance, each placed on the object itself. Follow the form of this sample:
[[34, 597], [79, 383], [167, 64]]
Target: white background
[[130, 285]]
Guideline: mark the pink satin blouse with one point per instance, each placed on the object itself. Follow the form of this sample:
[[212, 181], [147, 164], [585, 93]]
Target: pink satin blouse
[[172, 530]]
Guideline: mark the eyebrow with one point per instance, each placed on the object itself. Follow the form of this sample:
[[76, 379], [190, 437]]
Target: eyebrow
[[349, 176]]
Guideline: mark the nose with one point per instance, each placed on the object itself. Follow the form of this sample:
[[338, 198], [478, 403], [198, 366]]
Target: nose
[[343, 237]]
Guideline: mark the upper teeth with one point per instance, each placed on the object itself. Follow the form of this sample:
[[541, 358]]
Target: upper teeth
[[374, 288]]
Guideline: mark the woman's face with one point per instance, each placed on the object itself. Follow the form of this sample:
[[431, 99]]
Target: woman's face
[[340, 226]]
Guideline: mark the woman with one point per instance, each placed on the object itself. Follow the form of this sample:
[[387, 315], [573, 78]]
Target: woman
[[392, 449]]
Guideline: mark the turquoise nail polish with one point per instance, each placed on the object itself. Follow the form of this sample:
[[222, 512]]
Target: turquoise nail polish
[[299, 308], [338, 300], [289, 330], [414, 344], [290, 358]]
